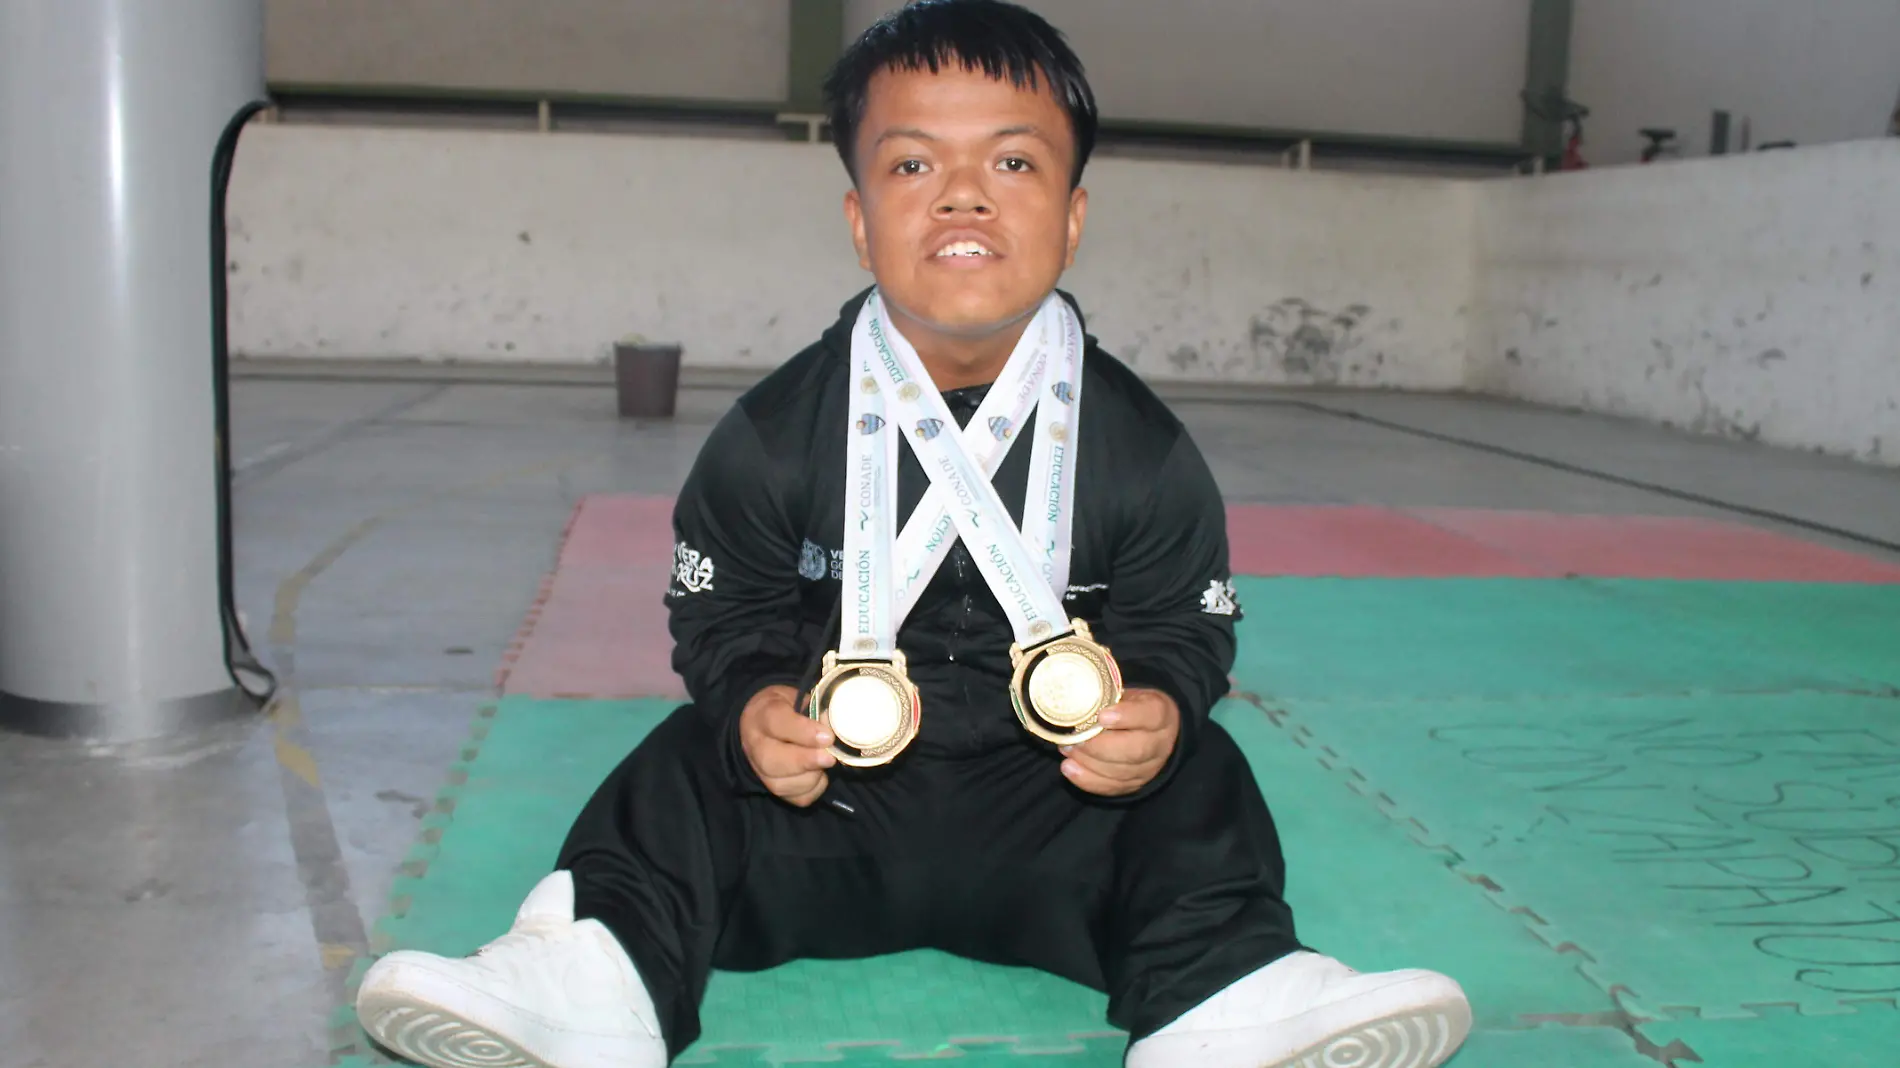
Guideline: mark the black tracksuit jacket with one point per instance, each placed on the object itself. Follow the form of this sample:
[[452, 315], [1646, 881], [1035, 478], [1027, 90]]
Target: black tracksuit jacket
[[759, 524]]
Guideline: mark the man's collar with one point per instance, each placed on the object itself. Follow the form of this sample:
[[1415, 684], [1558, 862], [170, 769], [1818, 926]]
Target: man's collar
[[839, 336]]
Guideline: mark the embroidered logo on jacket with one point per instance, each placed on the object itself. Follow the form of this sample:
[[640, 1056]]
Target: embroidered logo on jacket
[[812, 565], [1219, 599], [811, 562], [692, 572]]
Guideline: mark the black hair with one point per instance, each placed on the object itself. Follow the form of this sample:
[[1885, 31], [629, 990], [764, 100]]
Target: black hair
[[1001, 39]]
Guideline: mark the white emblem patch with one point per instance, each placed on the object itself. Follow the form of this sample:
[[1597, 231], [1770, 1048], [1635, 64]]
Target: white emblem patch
[[1219, 599], [693, 572], [811, 562]]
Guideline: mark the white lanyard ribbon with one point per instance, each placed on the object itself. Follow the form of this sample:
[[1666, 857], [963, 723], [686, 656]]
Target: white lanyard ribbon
[[892, 394]]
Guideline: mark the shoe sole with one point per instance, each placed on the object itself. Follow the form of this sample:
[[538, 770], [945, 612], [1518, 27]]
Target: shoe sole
[[1417, 1039], [1423, 1034], [425, 1034]]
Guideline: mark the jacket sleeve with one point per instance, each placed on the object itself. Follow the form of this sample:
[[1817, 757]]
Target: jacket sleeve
[[1170, 612], [732, 600]]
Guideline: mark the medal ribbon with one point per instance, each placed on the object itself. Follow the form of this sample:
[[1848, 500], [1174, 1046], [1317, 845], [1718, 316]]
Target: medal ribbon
[[868, 628], [989, 437], [1027, 569]]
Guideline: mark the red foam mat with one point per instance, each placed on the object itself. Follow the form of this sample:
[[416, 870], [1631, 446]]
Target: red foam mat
[[1360, 542], [598, 629], [1659, 547]]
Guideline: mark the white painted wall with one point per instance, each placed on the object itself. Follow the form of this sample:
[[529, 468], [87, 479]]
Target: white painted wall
[[433, 244], [1446, 69], [1754, 297], [1250, 274], [527, 247], [1813, 71]]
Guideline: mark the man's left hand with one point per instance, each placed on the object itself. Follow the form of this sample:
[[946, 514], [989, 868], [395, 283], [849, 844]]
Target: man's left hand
[[1140, 736]]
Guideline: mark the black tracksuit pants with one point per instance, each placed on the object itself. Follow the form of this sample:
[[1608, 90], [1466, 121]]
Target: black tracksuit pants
[[1159, 903]]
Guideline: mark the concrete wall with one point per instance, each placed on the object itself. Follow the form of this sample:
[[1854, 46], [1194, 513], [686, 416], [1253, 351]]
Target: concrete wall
[[1813, 72], [1354, 65], [528, 247], [709, 49], [1449, 69], [1445, 69], [1754, 297]]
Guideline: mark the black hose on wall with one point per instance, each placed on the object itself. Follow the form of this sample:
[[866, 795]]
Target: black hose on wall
[[239, 660]]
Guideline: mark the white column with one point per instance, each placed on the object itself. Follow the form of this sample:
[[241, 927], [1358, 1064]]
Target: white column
[[111, 113]]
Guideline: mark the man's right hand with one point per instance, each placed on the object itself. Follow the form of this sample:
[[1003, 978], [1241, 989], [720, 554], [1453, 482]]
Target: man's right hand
[[788, 749]]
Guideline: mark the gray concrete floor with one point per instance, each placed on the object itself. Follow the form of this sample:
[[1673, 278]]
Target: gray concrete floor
[[198, 903]]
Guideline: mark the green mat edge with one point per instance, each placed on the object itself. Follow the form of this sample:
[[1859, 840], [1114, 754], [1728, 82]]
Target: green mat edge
[[349, 1043]]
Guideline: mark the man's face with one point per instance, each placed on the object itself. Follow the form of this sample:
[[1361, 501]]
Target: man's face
[[962, 209]]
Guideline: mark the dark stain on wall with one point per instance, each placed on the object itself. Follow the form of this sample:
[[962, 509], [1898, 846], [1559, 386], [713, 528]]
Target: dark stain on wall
[[1310, 344]]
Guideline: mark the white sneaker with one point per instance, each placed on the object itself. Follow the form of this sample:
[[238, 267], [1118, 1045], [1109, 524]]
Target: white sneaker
[[1309, 1011], [551, 993]]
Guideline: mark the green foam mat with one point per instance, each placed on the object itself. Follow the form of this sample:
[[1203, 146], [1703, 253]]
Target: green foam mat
[[1547, 1047], [1470, 638], [527, 771], [1713, 853], [1849, 634], [1365, 891], [1691, 788], [1867, 1039], [531, 767], [1463, 771]]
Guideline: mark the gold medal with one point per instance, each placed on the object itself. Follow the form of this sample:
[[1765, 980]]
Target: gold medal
[[1061, 687], [871, 707]]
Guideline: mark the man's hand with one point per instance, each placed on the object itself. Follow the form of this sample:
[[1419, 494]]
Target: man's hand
[[786, 747], [1140, 736]]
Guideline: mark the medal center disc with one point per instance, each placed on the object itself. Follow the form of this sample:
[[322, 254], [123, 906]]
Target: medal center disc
[[864, 712], [1065, 688]]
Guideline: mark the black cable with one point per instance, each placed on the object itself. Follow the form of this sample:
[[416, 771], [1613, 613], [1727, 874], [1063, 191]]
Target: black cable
[[238, 657], [1589, 472]]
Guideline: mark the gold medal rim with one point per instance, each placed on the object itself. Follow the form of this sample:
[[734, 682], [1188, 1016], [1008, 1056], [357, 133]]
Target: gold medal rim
[[892, 674], [1079, 641]]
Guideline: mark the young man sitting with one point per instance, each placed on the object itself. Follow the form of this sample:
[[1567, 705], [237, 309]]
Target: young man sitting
[[953, 606]]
